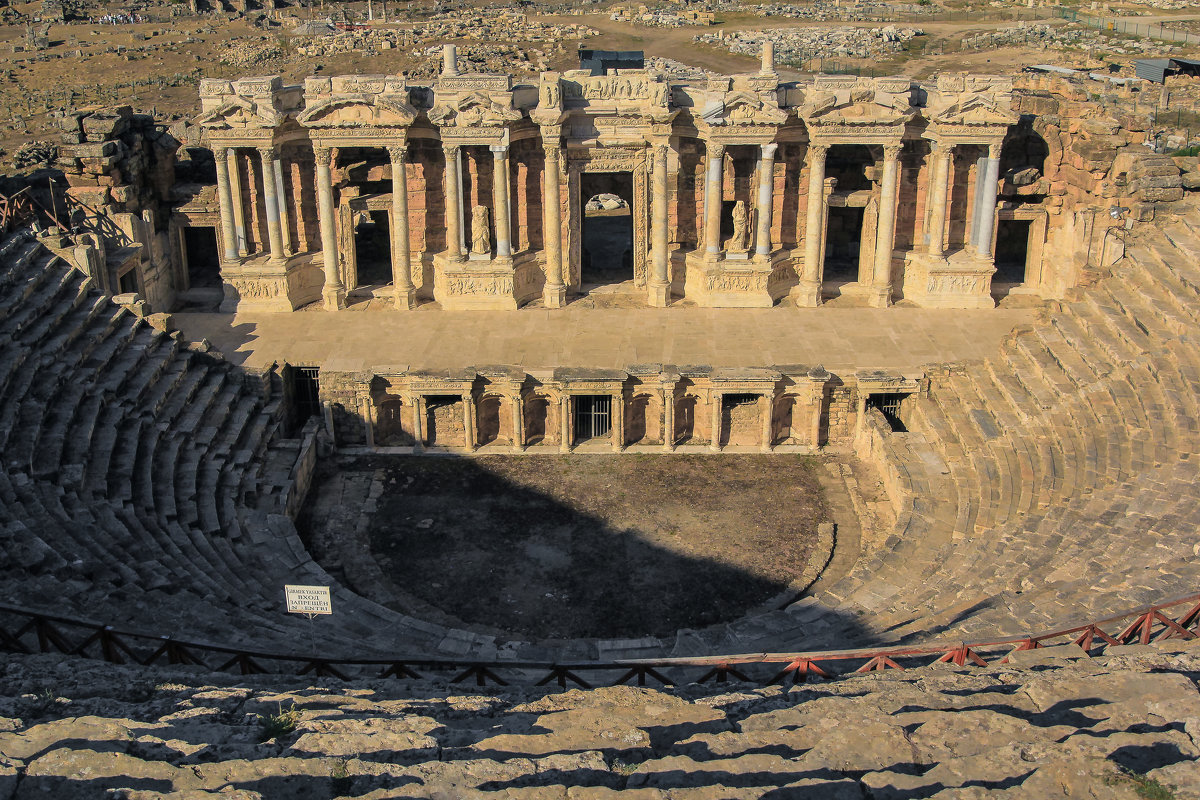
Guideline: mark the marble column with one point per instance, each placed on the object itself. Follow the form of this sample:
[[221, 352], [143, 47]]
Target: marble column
[[938, 192], [713, 196], [986, 189], [808, 291], [229, 246], [618, 421], [766, 192], [660, 285], [418, 426], [403, 291], [271, 201], [715, 433], [518, 421], [817, 377], [668, 396], [554, 295], [565, 418], [453, 191], [768, 422], [334, 293], [281, 199], [469, 438], [500, 201], [885, 232], [239, 209]]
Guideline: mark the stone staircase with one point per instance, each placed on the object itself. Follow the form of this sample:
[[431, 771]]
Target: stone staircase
[[1062, 470]]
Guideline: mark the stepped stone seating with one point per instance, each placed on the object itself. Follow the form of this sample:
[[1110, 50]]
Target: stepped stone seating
[[1050, 484], [1052, 724], [138, 482]]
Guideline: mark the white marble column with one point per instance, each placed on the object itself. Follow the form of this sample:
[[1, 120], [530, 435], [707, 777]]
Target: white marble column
[[500, 201], [618, 421], [452, 194], [939, 178], [715, 433], [271, 201], [766, 198], [660, 285], [554, 295], [985, 226], [403, 291], [885, 232], [281, 199], [565, 420], [229, 245], [333, 293], [713, 196], [239, 208], [808, 291]]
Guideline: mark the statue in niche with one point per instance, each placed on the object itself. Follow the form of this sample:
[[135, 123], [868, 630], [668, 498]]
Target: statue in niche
[[737, 242], [481, 238], [550, 95]]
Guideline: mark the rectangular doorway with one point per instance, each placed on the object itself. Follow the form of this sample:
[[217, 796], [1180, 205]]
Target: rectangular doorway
[[606, 256], [203, 259], [373, 248], [593, 416], [1012, 251], [843, 244]]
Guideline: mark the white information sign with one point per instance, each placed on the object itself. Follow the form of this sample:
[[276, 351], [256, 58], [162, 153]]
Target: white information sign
[[308, 599]]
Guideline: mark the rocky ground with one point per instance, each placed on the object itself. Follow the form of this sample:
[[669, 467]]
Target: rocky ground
[[1052, 725]]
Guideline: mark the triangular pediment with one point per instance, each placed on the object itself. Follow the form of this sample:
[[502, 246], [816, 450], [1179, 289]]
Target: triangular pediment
[[976, 110], [743, 108], [476, 109], [857, 107], [239, 113]]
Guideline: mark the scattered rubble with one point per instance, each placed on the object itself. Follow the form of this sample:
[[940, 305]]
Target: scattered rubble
[[794, 45], [1066, 37], [35, 154]]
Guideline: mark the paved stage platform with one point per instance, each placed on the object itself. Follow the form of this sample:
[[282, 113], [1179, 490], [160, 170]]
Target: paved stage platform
[[841, 339]]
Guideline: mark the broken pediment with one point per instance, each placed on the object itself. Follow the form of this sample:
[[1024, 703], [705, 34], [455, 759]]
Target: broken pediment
[[743, 108], [357, 113], [472, 111], [239, 113], [859, 106], [977, 110]]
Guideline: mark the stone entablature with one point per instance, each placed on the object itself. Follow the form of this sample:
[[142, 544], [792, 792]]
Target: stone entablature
[[493, 170], [650, 408]]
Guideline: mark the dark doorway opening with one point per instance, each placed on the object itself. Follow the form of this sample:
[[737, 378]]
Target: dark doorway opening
[[593, 416], [843, 244], [740, 421], [128, 283], [203, 258], [685, 420], [889, 404], [1012, 250], [373, 249], [305, 390], [848, 163], [607, 252]]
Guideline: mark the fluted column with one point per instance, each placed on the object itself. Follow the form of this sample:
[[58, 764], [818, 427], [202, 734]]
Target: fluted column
[[334, 293], [986, 224], [402, 284], [452, 193], [885, 232], [239, 208], [938, 192], [281, 199], [808, 291], [555, 292], [225, 205], [271, 201], [660, 286], [500, 200], [766, 191], [713, 196]]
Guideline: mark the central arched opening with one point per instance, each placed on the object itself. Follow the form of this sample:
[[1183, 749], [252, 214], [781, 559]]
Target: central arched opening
[[607, 252]]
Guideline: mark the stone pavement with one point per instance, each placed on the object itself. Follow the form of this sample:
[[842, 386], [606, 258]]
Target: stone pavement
[[841, 339]]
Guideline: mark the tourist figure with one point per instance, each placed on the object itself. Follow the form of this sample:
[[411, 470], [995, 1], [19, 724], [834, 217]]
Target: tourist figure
[[737, 242], [481, 237]]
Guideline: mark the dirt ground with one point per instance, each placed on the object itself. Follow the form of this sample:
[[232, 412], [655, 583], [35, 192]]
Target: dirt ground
[[587, 546]]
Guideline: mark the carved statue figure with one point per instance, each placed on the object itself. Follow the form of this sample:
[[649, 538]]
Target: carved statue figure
[[550, 95], [737, 242], [481, 235]]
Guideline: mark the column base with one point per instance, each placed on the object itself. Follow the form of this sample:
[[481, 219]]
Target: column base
[[554, 296], [405, 299], [334, 299], [879, 296], [659, 295], [963, 280], [806, 294]]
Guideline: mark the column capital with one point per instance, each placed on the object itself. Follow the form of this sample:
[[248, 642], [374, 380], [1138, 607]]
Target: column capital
[[551, 147], [397, 152], [323, 155], [768, 150], [817, 152], [269, 152], [660, 152], [993, 150], [451, 150], [714, 149], [892, 151], [499, 150]]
